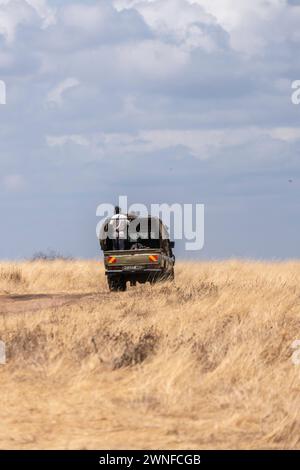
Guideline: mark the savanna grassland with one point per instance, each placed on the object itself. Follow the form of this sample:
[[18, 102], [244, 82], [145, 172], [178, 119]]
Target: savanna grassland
[[205, 362]]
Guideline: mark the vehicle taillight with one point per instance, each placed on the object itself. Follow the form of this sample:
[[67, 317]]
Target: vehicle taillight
[[153, 258], [111, 259]]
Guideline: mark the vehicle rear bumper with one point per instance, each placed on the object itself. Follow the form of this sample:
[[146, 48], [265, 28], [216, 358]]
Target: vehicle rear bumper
[[113, 272]]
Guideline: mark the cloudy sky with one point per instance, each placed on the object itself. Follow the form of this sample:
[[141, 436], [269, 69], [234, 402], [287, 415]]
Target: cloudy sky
[[161, 100]]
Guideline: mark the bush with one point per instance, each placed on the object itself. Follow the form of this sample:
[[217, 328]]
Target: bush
[[50, 255]]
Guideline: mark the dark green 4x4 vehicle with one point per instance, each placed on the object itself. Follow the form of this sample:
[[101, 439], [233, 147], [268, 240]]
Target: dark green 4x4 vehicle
[[147, 257]]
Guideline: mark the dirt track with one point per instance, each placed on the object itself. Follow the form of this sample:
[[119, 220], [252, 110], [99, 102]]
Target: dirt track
[[24, 303]]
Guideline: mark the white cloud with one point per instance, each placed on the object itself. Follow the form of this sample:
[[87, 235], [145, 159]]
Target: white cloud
[[252, 25], [61, 140], [90, 18], [55, 96], [187, 23], [288, 134], [14, 182], [101, 23], [201, 143], [14, 13], [44, 11], [150, 59]]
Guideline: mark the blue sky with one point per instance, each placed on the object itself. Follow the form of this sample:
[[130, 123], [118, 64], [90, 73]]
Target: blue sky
[[165, 101]]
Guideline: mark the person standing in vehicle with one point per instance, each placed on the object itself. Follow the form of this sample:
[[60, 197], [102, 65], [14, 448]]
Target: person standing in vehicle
[[118, 227]]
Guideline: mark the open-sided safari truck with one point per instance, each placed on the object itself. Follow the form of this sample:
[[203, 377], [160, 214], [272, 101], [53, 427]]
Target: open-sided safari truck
[[147, 257]]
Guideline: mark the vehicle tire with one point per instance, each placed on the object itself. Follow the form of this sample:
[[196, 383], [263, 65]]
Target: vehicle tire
[[116, 285], [168, 277], [111, 284], [122, 285]]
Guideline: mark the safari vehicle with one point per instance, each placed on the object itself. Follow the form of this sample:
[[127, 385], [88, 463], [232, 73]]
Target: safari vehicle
[[147, 257]]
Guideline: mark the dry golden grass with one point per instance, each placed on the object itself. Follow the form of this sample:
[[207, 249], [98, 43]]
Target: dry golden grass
[[202, 363]]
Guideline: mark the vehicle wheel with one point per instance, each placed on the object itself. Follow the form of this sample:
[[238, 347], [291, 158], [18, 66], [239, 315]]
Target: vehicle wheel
[[117, 285], [154, 280], [122, 285], [169, 276], [111, 285]]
